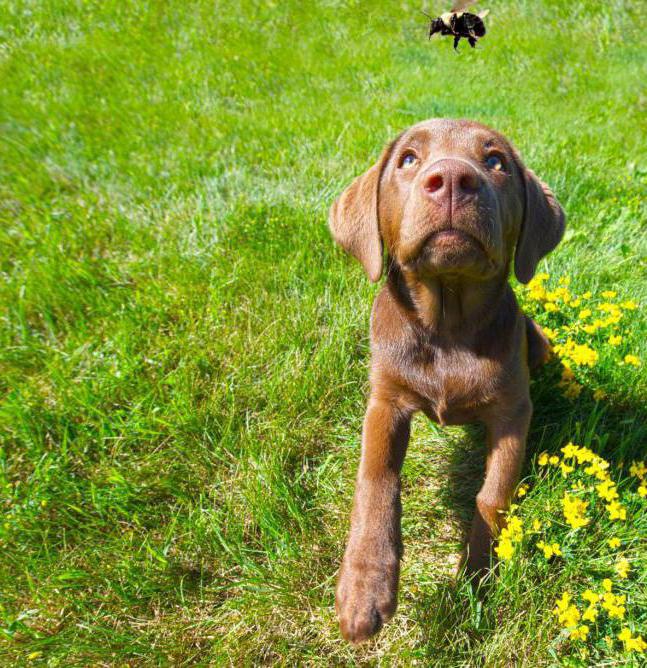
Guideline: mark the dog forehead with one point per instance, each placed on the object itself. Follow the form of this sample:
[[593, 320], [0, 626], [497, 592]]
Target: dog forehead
[[444, 133]]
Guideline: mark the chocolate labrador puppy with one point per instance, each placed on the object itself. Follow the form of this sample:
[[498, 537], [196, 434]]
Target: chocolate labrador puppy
[[454, 206]]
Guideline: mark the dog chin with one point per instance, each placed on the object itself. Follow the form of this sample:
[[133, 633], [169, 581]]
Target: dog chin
[[452, 253], [452, 265]]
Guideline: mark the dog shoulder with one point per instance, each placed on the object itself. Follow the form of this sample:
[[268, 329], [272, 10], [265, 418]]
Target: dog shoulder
[[389, 322]]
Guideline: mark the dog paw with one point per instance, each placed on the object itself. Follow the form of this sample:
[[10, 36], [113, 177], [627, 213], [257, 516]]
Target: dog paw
[[366, 597]]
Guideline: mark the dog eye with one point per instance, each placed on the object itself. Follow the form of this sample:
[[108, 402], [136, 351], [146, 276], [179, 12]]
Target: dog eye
[[408, 160], [495, 163]]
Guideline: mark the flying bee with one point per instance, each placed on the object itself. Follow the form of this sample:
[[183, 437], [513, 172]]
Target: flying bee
[[459, 23]]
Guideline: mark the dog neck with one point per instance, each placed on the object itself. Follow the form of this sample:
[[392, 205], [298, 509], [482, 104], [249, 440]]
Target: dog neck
[[452, 305]]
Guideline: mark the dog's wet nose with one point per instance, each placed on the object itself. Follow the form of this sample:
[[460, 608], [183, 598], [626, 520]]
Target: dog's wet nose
[[451, 179]]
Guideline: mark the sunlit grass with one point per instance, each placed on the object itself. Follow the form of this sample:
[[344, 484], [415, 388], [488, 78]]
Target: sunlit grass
[[183, 351]]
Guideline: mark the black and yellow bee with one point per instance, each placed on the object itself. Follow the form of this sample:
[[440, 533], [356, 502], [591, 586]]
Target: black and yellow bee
[[459, 23]]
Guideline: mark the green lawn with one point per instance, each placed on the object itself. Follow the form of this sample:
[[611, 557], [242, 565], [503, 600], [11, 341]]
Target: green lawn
[[183, 351]]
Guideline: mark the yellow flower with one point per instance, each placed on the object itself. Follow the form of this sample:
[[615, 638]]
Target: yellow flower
[[642, 490], [615, 340], [579, 633], [632, 359], [522, 491], [617, 612], [622, 568], [567, 614], [565, 280], [590, 596], [636, 644], [631, 643], [613, 543], [570, 450], [613, 319], [584, 455], [616, 511], [505, 549], [607, 584], [563, 602], [550, 307], [537, 292], [609, 294], [536, 525], [598, 395], [566, 469], [629, 305], [579, 353], [542, 460], [586, 295], [607, 490], [513, 529], [583, 354], [554, 460], [550, 333], [549, 550], [606, 307], [614, 605], [574, 511], [584, 313], [638, 469], [598, 467]]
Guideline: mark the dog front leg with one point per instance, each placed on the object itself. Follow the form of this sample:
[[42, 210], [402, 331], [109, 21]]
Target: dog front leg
[[367, 586], [506, 450]]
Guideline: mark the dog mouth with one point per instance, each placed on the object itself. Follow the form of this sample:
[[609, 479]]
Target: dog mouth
[[448, 250], [452, 238]]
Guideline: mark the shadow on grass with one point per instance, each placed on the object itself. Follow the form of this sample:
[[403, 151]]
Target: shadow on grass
[[453, 621], [613, 428]]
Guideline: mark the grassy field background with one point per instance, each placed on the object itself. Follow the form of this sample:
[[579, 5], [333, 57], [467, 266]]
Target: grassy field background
[[183, 352]]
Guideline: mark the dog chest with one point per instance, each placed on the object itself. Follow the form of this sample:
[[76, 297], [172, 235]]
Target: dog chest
[[449, 385]]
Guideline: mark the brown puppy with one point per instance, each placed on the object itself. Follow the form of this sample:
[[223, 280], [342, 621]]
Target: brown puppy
[[453, 204]]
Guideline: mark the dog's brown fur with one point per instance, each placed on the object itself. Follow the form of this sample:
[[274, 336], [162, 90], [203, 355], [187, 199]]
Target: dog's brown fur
[[447, 335]]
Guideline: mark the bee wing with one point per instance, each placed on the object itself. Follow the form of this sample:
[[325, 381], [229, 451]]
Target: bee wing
[[460, 5], [483, 14]]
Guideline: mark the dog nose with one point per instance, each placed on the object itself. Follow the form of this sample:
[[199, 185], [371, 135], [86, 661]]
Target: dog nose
[[451, 179]]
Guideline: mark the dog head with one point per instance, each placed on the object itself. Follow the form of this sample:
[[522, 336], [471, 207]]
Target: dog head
[[448, 198]]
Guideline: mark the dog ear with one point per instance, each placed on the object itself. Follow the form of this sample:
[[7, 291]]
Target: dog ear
[[353, 219], [541, 229]]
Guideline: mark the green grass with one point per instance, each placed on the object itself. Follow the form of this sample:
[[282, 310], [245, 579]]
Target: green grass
[[183, 352]]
